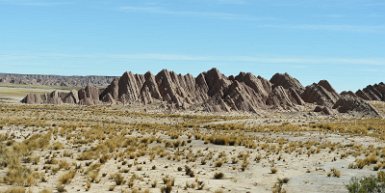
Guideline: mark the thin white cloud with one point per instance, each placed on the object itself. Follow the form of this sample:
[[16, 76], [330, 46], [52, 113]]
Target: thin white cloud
[[326, 3], [282, 60], [234, 2], [328, 27], [39, 3], [153, 9], [164, 11], [222, 2]]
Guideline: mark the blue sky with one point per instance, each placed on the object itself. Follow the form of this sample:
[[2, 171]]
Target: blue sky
[[342, 41]]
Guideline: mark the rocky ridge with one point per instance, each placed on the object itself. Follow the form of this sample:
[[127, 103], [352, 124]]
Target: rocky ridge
[[212, 91], [374, 92]]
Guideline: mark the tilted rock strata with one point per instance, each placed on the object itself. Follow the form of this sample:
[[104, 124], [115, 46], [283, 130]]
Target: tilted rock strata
[[348, 104], [211, 90], [373, 92], [89, 96], [320, 93], [287, 82], [293, 88]]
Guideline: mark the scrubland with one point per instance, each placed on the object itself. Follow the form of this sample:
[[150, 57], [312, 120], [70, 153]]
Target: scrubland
[[45, 148]]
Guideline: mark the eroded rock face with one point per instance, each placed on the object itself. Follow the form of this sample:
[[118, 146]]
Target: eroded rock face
[[295, 97], [261, 86], [348, 93], [320, 94], [348, 104], [216, 82], [71, 98], [373, 92], [172, 88], [111, 93], [128, 87], [211, 90], [279, 98], [150, 91], [32, 99], [292, 88], [324, 110], [89, 96], [54, 97], [240, 97], [287, 82]]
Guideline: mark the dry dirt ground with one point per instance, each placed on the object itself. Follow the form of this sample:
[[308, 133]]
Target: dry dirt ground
[[45, 148]]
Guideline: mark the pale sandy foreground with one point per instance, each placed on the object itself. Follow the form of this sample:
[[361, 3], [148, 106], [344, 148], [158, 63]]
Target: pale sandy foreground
[[101, 149]]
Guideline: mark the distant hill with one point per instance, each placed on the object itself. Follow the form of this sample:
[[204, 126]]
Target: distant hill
[[55, 80]]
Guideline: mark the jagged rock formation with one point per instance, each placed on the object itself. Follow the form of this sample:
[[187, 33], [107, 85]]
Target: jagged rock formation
[[279, 98], [150, 91], [373, 92], [348, 104], [211, 90], [54, 97], [111, 92], [287, 82], [348, 93], [321, 94], [89, 96], [293, 88]]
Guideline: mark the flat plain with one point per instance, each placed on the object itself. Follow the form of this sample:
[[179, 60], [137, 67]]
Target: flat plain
[[58, 148]]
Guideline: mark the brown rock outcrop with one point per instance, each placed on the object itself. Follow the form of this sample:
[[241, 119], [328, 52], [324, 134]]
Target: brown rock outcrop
[[261, 86], [89, 96], [171, 88], [111, 92], [348, 93], [214, 92], [287, 82], [149, 91], [320, 94], [324, 110], [128, 87], [240, 97], [293, 88], [347, 104], [33, 99], [54, 97], [216, 82], [71, 98], [374, 92], [279, 98]]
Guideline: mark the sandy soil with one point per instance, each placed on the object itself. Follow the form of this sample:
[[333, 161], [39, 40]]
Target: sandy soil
[[146, 148]]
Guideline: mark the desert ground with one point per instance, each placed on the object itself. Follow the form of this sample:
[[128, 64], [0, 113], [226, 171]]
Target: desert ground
[[72, 148]]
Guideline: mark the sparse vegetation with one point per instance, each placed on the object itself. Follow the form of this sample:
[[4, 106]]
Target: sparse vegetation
[[15, 190], [139, 151], [370, 184], [67, 177]]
